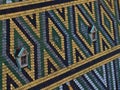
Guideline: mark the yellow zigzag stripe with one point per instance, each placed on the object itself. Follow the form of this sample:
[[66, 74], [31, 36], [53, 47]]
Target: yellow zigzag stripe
[[93, 10], [111, 33], [65, 22], [101, 37], [112, 7], [77, 14], [30, 72], [5, 71], [74, 46], [62, 50], [46, 58], [36, 30]]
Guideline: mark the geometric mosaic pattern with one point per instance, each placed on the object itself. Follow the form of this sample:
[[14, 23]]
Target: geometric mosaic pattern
[[62, 55]]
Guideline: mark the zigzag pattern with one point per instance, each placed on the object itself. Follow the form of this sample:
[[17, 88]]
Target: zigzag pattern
[[58, 38]]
